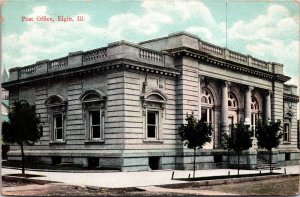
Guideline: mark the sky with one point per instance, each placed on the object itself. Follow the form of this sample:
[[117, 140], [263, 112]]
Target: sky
[[268, 30]]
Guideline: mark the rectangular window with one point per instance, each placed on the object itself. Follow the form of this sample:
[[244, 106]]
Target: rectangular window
[[204, 115], [286, 131], [152, 124], [95, 124], [58, 127], [207, 115]]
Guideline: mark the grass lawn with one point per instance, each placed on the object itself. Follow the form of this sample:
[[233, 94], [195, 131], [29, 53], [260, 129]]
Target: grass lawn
[[277, 186]]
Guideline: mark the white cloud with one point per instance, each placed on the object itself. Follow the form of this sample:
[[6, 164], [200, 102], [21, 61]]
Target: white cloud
[[276, 22], [147, 24], [277, 48], [201, 31], [193, 12], [187, 11], [262, 34], [56, 39], [272, 36], [183, 9]]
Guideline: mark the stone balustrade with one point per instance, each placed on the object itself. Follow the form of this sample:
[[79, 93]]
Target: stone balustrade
[[58, 63], [212, 49], [259, 63], [28, 70], [95, 54], [233, 56], [118, 50], [151, 55], [131, 51], [238, 57]]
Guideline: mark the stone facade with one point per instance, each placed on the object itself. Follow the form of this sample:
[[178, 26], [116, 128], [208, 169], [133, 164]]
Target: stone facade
[[120, 106]]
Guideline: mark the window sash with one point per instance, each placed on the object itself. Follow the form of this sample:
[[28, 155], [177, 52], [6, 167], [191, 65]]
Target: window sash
[[207, 115], [286, 132], [58, 130], [93, 127], [151, 133]]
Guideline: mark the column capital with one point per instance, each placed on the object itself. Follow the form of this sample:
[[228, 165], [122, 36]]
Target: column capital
[[226, 83], [251, 88], [202, 78], [268, 92], [247, 88]]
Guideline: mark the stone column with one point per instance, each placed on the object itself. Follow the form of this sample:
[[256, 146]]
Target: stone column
[[248, 105], [268, 106], [248, 94], [224, 112]]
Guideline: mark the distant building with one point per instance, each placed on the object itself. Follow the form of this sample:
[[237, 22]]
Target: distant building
[[4, 111], [120, 106]]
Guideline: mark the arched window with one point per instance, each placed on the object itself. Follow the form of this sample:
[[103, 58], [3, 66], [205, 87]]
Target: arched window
[[93, 102], [255, 112], [232, 108], [153, 103], [207, 103], [56, 107], [232, 101], [287, 126]]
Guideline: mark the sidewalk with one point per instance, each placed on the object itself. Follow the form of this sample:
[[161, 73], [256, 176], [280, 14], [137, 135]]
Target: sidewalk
[[135, 179]]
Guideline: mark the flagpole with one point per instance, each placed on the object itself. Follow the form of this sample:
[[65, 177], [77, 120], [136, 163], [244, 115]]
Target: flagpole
[[226, 24]]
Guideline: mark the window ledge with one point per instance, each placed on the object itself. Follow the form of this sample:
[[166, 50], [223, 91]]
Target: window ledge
[[153, 141], [100, 141], [57, 142]]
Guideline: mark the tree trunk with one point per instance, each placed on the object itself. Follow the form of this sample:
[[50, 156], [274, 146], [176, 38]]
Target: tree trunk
[[270, 158], [23, 159], [194, 162], [238, 163]]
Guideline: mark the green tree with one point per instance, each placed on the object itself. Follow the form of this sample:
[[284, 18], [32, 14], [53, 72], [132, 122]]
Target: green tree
[[22, 128], [195, 134], [268, 136], [239, 140]]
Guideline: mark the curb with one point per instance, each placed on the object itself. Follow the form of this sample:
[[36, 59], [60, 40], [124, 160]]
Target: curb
[[225, 181], [199, 183], [126, 189]]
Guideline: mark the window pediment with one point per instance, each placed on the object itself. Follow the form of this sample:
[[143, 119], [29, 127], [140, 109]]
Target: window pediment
[[155, 96], [93, 99], [55, 101], [93, 96], [288, 114]]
